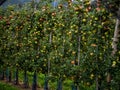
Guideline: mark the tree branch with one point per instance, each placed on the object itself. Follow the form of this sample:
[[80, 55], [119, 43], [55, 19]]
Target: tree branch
[[116, 37]]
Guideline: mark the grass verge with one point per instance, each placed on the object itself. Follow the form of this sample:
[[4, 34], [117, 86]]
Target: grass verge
[[5, 86]]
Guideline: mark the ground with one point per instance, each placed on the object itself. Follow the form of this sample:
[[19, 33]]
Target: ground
[[19, 86]]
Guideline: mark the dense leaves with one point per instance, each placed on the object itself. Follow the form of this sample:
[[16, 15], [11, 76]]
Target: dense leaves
[[71, 41]]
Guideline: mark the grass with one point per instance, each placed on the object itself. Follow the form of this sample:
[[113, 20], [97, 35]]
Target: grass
[[40, 81], [40, 78], [5, 86], [53, 83]]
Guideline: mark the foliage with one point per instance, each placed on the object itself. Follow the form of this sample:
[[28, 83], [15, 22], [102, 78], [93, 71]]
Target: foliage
[[71, 41]]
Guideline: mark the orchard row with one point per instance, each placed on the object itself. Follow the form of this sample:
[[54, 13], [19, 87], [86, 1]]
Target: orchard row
[[65, 42]]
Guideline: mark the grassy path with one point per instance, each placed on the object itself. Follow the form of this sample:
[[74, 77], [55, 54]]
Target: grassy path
[[10, 86]]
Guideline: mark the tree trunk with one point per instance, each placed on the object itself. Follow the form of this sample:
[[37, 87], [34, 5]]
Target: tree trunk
[[98, 84], [7, 74], [114, 44], [59, 86], [9, 77], [116, 37], [26, 85], [74, 86], [34, 85], [2, 75], [16, 81], [46, 83]]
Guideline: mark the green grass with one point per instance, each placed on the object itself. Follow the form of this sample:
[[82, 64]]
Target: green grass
[[5, 86], [40, 80], [53, 83]]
